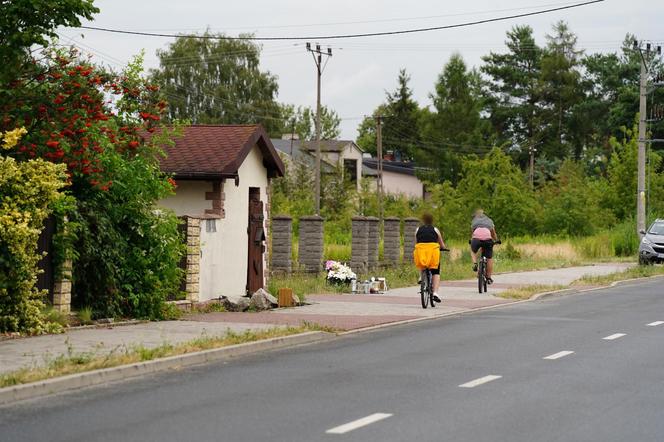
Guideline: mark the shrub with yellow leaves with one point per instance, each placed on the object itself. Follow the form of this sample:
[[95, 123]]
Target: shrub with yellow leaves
[[27, 189]]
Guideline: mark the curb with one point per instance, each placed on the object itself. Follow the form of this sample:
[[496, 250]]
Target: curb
[[97, 377]]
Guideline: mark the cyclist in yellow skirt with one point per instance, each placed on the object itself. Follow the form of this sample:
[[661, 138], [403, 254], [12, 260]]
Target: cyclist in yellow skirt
[[428, 242]]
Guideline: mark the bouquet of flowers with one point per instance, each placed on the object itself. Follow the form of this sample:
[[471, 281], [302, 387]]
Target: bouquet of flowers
[[338, 273]]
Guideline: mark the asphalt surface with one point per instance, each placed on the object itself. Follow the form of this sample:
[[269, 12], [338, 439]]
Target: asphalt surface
[[425, 379]]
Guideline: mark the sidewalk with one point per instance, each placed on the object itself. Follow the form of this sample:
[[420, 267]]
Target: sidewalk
[[343, 312]]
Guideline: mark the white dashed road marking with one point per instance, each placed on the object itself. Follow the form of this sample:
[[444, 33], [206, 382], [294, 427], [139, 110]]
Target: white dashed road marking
[[560, 354], [613, 336], [655, 324], [350, 426], [480, 381]]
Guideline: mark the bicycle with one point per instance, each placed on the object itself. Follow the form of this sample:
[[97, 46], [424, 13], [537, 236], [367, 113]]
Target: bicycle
[[426, 286], [482, 263]]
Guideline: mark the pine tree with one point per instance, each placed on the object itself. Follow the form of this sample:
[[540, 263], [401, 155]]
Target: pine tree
[[512, 92]]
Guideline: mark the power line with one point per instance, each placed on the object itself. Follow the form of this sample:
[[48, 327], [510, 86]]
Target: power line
[[341, 36]]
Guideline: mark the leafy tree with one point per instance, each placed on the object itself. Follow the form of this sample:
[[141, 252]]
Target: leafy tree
[[210, 80], [455, 127], [125, 254], [572, 205], [497, 185], [366, 131], [512, 92], [24, 23], [302, 121]]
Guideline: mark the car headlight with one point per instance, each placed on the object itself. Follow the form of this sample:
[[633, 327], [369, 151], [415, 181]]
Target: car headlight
[[646, 241]]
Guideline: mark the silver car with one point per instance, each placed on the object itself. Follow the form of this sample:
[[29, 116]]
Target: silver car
[[651, 249]]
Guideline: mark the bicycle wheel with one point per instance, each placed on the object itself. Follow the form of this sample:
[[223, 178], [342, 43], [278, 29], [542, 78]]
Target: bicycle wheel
[[431, 301], [480, 276], [485, 281], [424, 289]]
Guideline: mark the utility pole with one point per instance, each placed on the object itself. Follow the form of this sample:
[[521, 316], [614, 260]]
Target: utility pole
[[641, 159], [318, 54], [531, 175], [379, 154]]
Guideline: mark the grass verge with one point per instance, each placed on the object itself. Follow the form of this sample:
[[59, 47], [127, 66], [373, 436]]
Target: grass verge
[[72, 362], [528, 292], [631, 273]]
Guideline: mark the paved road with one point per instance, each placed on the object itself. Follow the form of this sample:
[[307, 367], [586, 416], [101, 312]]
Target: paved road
[[480, 377]]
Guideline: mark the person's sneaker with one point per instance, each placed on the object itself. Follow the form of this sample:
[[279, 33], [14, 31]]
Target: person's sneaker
[[489, 281], [475, 267], [437, 299]]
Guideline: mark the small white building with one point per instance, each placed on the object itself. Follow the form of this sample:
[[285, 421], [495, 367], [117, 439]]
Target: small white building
[[399, 178], [223, 175]]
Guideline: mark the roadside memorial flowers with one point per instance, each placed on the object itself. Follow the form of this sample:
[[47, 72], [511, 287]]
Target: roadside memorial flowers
[[338, 273]]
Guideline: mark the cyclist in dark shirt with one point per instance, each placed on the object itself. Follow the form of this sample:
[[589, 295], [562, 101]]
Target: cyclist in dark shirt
[[427, 233]]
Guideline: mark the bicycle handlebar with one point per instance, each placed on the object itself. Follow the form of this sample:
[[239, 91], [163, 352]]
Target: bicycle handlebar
[[494, 243], [443, 249]]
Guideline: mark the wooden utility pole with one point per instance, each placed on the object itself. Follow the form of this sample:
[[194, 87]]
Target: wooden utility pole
[[379, 154], [641, 158], [531, 174], [318, 59]]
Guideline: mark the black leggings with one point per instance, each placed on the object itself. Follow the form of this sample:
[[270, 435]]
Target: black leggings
[[485, 245]]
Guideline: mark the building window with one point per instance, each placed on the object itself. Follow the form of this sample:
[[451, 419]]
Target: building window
[[210, 225], [350, 170]]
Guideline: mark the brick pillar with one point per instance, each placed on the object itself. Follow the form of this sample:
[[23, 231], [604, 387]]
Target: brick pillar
[[192, 271], [392, 241], [373, 241], [62, 289], [409, 229], [359, 260], [310, 246], [282, 244]]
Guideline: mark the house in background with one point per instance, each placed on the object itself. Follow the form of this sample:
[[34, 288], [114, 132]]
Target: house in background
[[223, 175], [399, 177], [335, 153]]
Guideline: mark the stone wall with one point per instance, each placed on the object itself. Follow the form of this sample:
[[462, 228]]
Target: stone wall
[[282, 244], [392, 241], [373, 242], [359, 260], [409, 229], [310, 246]]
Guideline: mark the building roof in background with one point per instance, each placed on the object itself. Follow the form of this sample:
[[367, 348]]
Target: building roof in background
[[218, 151], [298, 153], [402, 167]]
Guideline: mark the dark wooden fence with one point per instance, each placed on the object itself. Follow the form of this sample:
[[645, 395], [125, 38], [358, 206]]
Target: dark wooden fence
[[46, 278]]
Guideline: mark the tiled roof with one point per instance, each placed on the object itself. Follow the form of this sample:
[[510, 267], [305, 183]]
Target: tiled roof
[[404, 168], [217, 151]]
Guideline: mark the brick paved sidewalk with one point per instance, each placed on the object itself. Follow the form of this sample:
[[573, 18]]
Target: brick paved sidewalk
[[342, 312]]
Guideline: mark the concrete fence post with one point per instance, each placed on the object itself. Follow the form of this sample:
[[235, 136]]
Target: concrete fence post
[[392, 240], [373, 241], [409, 229], [282, 244], [359, 260], [310, 246]]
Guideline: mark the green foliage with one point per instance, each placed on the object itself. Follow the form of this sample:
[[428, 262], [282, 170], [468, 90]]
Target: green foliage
[[302, 121], [27, 190], [24, 23], [85, 315], [205, 85]]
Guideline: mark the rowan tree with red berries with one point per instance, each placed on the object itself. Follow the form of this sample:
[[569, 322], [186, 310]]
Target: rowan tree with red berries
[[125, 252]]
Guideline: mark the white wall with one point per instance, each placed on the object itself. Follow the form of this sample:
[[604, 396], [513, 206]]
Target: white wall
[[224, 253], [189, 198], [401, 184]]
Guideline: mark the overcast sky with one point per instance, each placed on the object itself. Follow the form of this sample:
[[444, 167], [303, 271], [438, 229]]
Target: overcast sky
[[361, 70]]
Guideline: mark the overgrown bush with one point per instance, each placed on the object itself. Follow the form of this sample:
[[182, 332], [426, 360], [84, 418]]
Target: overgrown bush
[[27, 189], [95, 125]]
